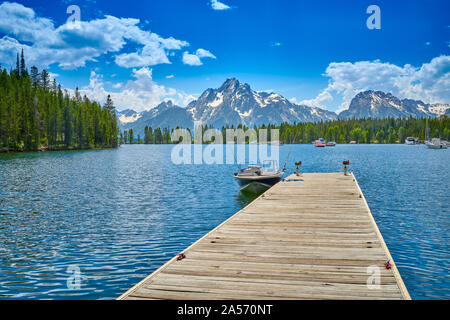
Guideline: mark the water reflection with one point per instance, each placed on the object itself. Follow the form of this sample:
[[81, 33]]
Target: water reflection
[[245, 198]]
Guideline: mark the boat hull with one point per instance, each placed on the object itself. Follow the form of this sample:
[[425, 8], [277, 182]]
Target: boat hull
[[319, 145], [269, 180], [436, 147]]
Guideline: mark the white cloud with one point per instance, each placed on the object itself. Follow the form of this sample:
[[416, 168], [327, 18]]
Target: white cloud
[[53, 76], [202, 53], [117, 85], [191, 59], [23, 23], [195, 59], [139, 94], [71, 45], [217, 5], [429, 83], [154, 52], [170, 76]]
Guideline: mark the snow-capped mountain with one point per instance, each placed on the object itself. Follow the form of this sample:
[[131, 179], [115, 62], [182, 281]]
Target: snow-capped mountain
[[165, 115], [128, 116], [233, 103], [377, 104], [236, 103]]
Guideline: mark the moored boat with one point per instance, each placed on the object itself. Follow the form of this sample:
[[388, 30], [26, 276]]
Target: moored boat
[[411, 141], [331, 144], [436, 143], [268, 174], [320, 143]]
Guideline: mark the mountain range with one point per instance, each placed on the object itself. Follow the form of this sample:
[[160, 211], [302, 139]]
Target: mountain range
[[378, 104], [236, 103]]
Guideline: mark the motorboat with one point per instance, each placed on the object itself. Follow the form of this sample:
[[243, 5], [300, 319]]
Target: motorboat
[[267, 174], [331, 144], [319, 143], [436, 143], [412, 141]]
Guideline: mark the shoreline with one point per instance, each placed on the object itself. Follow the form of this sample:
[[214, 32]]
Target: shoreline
[[55, 150]]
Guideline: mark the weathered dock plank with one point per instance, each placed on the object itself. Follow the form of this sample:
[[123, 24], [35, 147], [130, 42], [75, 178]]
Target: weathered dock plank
[[309, 237]]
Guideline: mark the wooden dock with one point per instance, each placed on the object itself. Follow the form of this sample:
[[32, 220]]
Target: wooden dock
[[309, 237]]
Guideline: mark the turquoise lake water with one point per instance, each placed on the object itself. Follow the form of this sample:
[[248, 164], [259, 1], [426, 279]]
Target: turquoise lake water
[[109, 218]]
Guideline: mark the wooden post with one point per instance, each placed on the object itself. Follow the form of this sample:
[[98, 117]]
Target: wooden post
[[298, 164], [345, 163]]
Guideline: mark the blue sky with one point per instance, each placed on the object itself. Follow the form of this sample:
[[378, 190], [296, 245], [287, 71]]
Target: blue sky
[[319, 53]]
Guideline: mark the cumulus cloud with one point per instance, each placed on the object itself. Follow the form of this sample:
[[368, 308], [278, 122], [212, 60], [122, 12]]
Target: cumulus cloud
[[141, 93], [217, 5], [154, 52], [23, 22], [195, 59], [191, 59], [429, 83], [73, 44], [202, 53]]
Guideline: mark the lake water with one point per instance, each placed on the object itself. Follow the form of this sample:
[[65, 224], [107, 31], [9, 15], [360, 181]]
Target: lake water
[[109, 218]]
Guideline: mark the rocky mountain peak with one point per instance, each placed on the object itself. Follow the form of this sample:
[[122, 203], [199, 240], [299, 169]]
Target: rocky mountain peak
[[230, 85], [379, 104], [235, 103]]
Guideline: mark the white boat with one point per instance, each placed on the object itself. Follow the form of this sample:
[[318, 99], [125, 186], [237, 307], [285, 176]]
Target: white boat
[[412, 141], [268, 174], [436, 144]]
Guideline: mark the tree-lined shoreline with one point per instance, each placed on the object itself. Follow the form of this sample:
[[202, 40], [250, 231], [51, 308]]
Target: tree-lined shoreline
[[36, 114], [362, 131]]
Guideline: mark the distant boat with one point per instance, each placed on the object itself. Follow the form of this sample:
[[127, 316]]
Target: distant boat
[[436, 144], [319, 143], [412, 141], [331, 144], [353, 142], [268, 174]]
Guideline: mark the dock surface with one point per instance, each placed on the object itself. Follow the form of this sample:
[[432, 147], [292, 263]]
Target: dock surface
[[308, 237]]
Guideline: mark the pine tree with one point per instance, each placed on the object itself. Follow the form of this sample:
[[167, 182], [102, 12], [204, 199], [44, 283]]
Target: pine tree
[[109, 105], [23, 69], [131, 136], [35, 77], [17, 66], [45, 79]]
